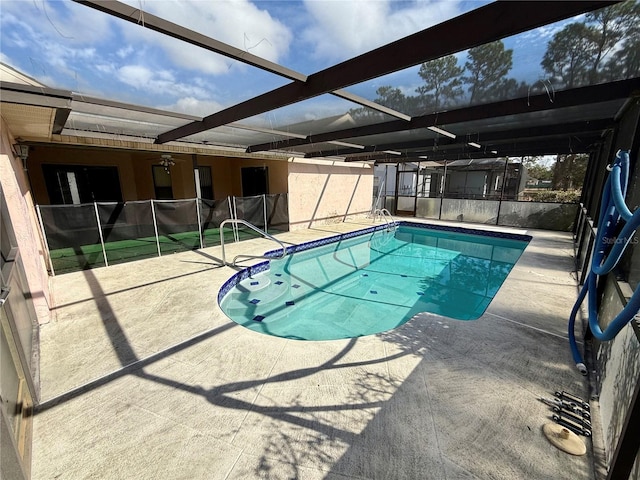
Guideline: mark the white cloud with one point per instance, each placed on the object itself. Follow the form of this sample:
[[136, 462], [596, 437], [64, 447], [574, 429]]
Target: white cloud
[[194, 106], [158, 82], [238, 23], [67, 21], [57, 39], [125, 51], [344, 29]]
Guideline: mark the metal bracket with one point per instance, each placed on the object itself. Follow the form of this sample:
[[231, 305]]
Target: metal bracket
[[4, 294]]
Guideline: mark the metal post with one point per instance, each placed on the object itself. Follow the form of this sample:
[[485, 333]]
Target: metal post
[[415, 193], [104, 252], [264, 207], [44, 237], [196, 175], [504, 182], [236, 237], [155, 227], [230, 214], [443, 184], [199, 221]]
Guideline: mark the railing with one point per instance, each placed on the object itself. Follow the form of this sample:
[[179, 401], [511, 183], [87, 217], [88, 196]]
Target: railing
[[236, 221], [386, 215]]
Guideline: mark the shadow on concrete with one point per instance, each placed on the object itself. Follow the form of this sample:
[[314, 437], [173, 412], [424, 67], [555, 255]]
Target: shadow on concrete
[[467, 409]]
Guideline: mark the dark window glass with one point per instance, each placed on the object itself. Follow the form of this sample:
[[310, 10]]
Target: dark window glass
[[162, 183], [75, 184], [206, 183]]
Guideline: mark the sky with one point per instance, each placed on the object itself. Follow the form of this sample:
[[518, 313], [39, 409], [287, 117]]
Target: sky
[[73, 47]]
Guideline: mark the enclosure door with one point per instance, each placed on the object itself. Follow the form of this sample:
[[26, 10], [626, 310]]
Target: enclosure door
[[406, 184]]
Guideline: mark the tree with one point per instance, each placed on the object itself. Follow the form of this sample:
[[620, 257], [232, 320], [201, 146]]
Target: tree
[[625, 62], [570, 54], [488, 66], [604, 46], [442, 82], [569, 171], [611, 25], [389, 97], [537, 170]]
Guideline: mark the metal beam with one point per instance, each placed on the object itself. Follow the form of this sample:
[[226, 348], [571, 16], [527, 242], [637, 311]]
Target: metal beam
[[563, 99], [549, 147], [157, 24], [542, 146], [482, 25], [148, 20], [369, 104], [450, 156], [515, 135]]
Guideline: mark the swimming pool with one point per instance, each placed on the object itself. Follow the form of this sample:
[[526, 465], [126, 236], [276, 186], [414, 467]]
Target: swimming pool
[[371, 281]]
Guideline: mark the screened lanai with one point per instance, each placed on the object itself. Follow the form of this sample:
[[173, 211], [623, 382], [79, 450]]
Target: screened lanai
[[391, 98]]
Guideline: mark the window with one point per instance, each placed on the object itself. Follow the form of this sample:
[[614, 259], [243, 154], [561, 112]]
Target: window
[[206, 184], [162, 183], [255, 181], [75, 184]]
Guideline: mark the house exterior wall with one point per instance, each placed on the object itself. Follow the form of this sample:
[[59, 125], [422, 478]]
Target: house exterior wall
[[135, 171], [619, 360], [22, 213], [324, 192], [277, 169]]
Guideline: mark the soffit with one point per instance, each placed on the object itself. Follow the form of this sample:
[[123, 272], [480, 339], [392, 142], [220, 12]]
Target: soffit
[[29, 121]]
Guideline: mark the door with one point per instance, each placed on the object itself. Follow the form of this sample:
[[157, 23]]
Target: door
[[18, 326], [206, 183], [75, 184], [406, 192]]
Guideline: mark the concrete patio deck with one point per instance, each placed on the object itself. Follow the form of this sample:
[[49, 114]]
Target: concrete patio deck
[[144, 377]]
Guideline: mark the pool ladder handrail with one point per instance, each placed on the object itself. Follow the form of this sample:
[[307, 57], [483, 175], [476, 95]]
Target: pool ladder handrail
[[236, 221], [386, 215]]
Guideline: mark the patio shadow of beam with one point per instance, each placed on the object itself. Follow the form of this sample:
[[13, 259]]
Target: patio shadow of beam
[[131, 368], [142, 285]]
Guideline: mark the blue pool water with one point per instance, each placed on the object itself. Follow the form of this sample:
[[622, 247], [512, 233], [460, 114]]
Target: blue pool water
[[372, 282]]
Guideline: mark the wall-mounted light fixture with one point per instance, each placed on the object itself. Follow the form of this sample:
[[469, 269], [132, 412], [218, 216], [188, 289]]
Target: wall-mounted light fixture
[[21, 151], [167, 162]]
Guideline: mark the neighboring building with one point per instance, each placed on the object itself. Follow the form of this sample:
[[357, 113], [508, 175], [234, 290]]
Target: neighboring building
[[465, 179]]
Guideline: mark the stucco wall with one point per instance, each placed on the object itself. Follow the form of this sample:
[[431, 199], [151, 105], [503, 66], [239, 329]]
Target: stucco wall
[[476, 211], [545, 216], [21, 210], [326, 192], [428, 207]]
